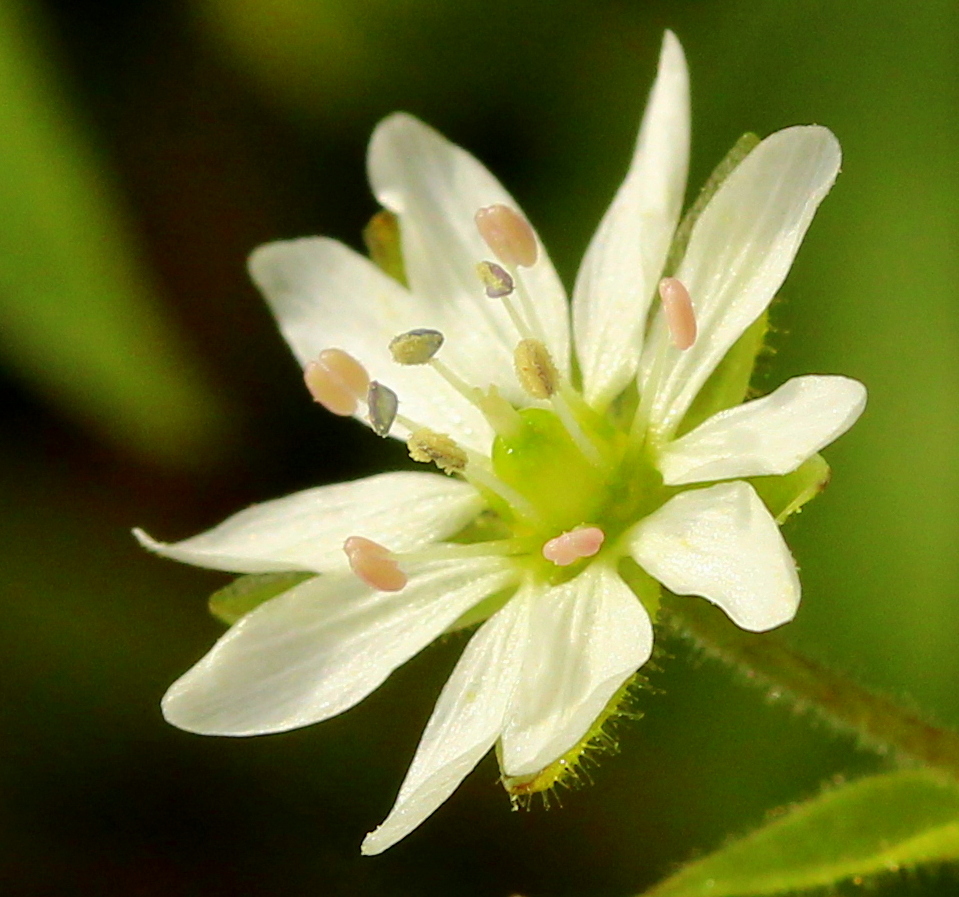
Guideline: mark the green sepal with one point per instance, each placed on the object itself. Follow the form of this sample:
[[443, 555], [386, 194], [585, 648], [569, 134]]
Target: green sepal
[[248, 592], [785, 495], [728, 385], [482, 611], [871, 828], [677, 249], [382, 238], [642, 585], [565, 770]]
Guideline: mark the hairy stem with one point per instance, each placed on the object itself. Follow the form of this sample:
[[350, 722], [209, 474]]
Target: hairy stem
[[765, 659]]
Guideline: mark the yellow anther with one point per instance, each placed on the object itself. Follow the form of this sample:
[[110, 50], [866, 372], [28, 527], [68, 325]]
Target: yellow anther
[[496, 279], [508, 234], [428, 446], [535, 369], [337, 381], [416, 346]]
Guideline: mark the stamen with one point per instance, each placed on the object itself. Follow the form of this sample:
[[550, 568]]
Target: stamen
[[538, 376], [678, 308], [569, 547], [428, 446], [535, 369], [374, 564], [508, 234], [496, 280], [500, 414], [416, 346], [337, 381], [382, 405]]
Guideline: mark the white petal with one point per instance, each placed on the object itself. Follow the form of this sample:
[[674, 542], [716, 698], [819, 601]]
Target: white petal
[[587, 637], [436, 188], [466, 722], [771, 435], [324, 295], [622, 267], [723, 544], [739, 253], [306, 530], [321, 647]]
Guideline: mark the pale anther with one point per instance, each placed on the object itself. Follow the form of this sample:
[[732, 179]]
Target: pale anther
[[535, 369], [428, 447], [508, 234], [382, 404], [496, 279], [374, 564], [416, 346], [337, 381], [570, 547], [678, 308]]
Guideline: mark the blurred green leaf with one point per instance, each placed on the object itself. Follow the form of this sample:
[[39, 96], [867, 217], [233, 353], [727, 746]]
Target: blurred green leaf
[[78, 317], [872, 827], [248, 592]]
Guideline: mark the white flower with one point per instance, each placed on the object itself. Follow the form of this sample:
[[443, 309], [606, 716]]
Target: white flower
[[581, 477]]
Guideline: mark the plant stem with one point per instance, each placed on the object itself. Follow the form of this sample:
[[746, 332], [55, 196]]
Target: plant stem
[[765, 659]]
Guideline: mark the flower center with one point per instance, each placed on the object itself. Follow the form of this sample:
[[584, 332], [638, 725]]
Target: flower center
[[564, 481]]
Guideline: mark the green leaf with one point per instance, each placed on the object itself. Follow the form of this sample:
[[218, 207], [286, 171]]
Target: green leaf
[[249, 592], [78, 316], [871, 827], [728, 385], [784, 495]]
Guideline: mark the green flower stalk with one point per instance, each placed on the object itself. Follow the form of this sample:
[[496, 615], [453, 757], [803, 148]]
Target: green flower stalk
[[589, 455]]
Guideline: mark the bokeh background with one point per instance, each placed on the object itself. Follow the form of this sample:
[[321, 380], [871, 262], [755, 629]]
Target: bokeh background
[[147, 146]]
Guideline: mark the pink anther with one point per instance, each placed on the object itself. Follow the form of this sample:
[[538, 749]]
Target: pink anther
[[337, 381], [678, 308], [569, 547], [374, 564], [508, 234]]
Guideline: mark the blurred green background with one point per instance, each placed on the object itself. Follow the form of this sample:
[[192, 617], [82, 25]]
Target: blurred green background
[[146, 147]]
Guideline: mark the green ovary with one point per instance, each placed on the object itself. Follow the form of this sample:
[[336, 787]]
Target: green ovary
[[544, 464]]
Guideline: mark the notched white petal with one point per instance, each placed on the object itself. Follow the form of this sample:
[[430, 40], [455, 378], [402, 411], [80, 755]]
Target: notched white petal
[[324, 295], [618, 277], [721, 543], [321, 647], [467, 720], [771, 435], [587, 637], [739, 253], [306, 530], [436, 188]]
